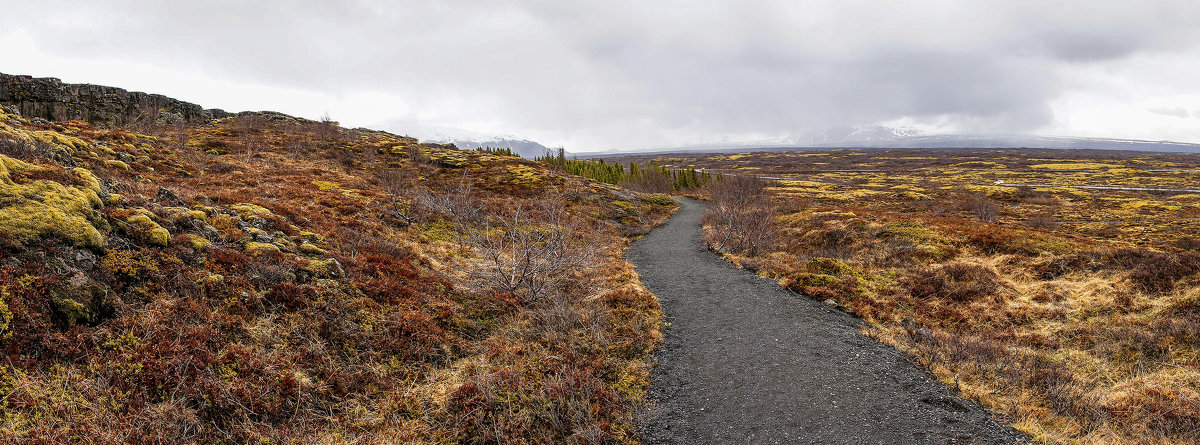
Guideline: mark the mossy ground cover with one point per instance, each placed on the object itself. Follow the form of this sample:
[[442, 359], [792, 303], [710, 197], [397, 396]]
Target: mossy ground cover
[[1060, 312], [248, 281]]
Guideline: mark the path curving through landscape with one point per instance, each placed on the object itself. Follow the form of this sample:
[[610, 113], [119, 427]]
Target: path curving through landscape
[[746, 361]]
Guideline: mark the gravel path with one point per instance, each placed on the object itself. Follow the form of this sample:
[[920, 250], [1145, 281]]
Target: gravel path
[[745, 361]]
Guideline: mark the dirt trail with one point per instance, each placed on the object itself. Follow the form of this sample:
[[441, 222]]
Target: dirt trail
[[745, 361]]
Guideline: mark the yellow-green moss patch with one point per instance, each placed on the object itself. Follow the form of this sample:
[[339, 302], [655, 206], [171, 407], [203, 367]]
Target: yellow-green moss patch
[[45, 208], [159, 237], [326, 185], [198, 242], [247, 210], [255, 248], [309, 249]]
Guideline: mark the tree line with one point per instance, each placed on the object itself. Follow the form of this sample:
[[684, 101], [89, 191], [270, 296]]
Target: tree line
[[650, 177]]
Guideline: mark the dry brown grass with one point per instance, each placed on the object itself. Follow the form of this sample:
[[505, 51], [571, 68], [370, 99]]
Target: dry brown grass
[[1077, 332]]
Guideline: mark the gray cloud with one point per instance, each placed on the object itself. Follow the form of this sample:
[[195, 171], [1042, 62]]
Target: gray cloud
[[1172, 111], [629, 73]]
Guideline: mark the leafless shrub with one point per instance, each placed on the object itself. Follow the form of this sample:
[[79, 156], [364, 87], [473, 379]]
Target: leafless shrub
[[741, 215], [1041, 222], [795, 204], [528, 251], [327, 129], [457, 201], [983, 208], [955, 281], [19, 149], [1187, 243], [143, 118], [395, 182]]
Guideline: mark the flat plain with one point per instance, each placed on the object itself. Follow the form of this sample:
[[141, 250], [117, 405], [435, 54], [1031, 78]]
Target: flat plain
[[1056, 287]]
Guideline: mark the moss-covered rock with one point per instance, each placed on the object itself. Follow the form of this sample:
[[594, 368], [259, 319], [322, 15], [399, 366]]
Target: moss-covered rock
[[79, 304], [159, 237], [256, 248], [247, 210], [144, 227], [309, 249], [44, 208], [198, 242], [328, 268]]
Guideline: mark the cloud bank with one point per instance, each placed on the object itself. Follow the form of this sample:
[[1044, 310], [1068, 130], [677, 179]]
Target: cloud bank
[[632, 74]]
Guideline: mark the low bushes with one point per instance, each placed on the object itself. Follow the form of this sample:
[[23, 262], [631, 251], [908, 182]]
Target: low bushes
[[955, 281]]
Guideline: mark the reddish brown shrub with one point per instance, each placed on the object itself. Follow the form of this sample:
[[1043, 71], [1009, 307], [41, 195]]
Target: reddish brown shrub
[[956, 281]]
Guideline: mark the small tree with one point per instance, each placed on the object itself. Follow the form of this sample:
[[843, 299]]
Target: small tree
[[395, 182], [741, 214], [984, 209], [527, 251]]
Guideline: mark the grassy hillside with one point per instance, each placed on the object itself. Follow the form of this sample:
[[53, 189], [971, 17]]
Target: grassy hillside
[[267, 279]]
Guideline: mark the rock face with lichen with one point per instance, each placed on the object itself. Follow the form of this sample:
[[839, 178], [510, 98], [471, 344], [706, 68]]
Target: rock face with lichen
[[51, 99]]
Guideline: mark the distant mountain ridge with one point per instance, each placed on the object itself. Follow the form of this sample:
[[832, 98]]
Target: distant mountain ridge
[[875, 136], [466, 139]]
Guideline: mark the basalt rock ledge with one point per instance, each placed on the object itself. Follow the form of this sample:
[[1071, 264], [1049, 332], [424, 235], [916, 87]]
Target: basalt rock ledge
[[51, 99]]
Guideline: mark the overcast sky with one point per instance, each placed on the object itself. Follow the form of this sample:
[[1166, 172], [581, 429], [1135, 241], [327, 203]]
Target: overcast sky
[[635, 74]]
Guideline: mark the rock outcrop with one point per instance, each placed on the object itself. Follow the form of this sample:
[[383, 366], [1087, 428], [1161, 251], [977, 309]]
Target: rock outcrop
[[51, 99]]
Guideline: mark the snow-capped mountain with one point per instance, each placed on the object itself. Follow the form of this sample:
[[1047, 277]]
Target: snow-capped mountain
[[855, 134], [877, 136], [466, 139]]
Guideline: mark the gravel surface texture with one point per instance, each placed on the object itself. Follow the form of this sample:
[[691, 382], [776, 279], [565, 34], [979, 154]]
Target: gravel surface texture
[[746, 361]]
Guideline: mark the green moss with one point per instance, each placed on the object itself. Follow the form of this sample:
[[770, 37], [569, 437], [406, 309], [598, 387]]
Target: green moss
[[911, 231], [816, 279], [524, 174], [5, 313], [326, 185], [159, 237], [141, 219], [329, 268], [309, 249], [198, 242], [116, 165], [89, 179], [70, 143], [830, 266], [84, 303], [45, 208], [210, 277], [312, 236], [285, 244], [71, 311], [441, 230], [255, 248], [154, 234], [247, 210], [625, 205], [658, 199]]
